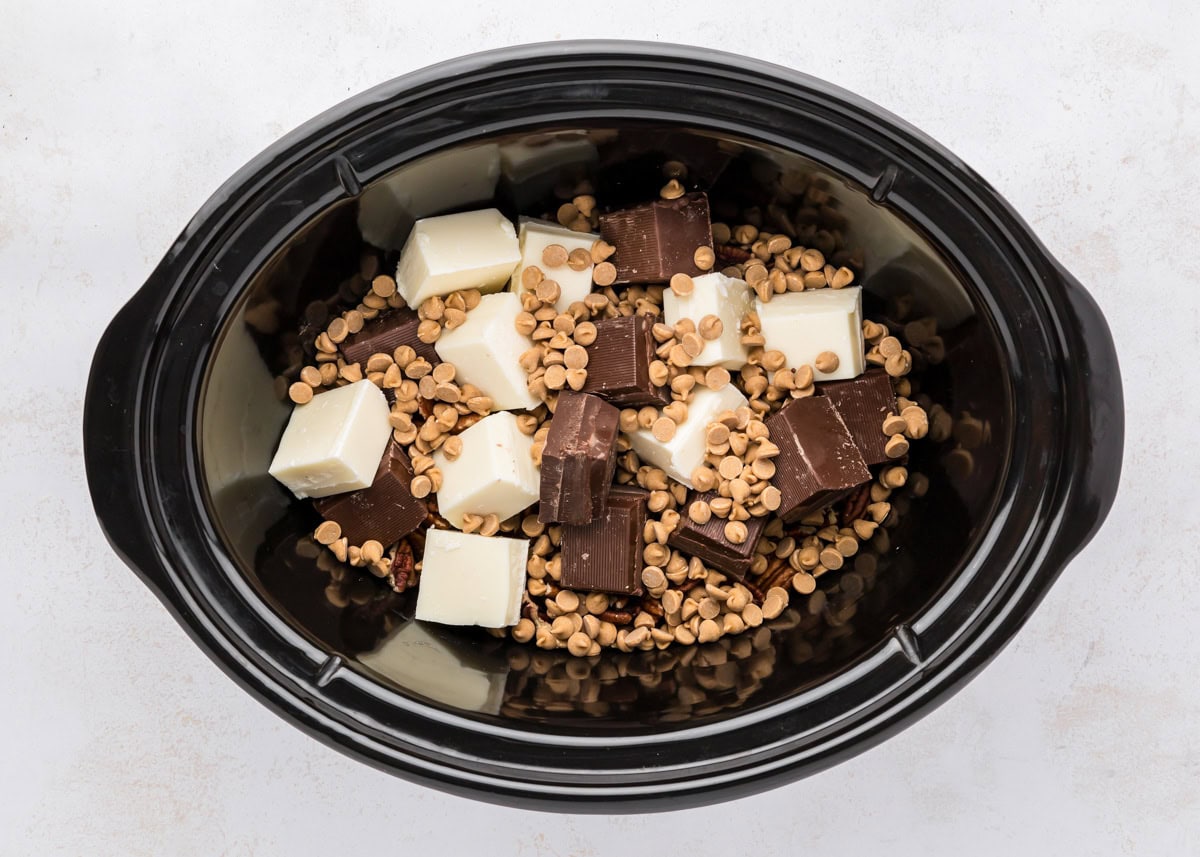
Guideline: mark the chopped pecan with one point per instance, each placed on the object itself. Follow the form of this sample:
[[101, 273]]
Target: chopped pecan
[[402, 566], [731, 254], [855, 506]]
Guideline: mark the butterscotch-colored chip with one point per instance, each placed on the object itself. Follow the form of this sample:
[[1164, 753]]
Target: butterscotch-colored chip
[[575, 357], [420, 486], [579, 259], [704, 258], [531, 276], [384, 286], [328, 533], [704, 479], [682, 285], [896, 446], [548, 291], [826, 361], [716, 378], [300, 393], [672, 190], [604, 274], [663, 429], [554, 256], [601, 250], [736, 532]]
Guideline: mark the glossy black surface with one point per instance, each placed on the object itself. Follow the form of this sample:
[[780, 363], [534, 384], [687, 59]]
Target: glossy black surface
[[181, 417]]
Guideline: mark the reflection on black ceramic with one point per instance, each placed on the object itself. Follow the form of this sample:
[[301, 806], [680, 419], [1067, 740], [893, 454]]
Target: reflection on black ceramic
[[1008, 491]]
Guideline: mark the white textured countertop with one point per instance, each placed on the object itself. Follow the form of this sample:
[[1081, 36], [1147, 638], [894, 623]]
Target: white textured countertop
[[120, 738]]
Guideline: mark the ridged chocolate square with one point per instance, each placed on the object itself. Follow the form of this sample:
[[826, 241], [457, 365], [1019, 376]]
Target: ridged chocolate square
[[863, 403], [818, 460], [606, 554], [385, 334], [659, 239], [619, 361], [707, 541], [579, 459], [385, 511]]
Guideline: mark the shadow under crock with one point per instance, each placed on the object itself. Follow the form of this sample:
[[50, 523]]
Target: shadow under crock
[[231, 311]]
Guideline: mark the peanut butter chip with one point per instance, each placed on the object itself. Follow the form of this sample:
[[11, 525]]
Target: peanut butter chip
[[735, 532], [896, 446], [328, 533], [567, 213], [730, 467], [548, 291], [711, 327], [716, 378], [585, 333], [826, 362], [421, 486], [575, 357], [682, 285], [579, 259], [604, 274], [300, 393], [601, 250], [671, 190], [384, 286], [554, 256], [704, 258], [531, 276], [663, 429]]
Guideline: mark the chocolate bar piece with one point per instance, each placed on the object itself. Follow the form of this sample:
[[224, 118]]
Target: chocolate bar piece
[[818, 462], [708, 543], [579, 459], [606, 554], [659, 239], [863, 403], [385, 511], [385, 334], [619, 363]]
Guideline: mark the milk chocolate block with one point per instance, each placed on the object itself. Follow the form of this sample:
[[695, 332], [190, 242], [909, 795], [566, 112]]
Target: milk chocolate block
[[579, 459], [707, 541], [863, 403], [659, 239], [606, 554], [385, 334], [385, 511], [818, 462], [619, 363]]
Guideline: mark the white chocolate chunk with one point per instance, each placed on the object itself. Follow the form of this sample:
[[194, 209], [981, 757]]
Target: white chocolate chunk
[[535, 236], [803, 324], [684, 452], [334, 443], [728, 299], [450, 179], [468, 579], [470, 250], [486, 350], [494, 474]]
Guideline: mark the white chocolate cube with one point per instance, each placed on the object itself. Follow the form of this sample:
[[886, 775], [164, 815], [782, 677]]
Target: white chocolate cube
[[486, 350], [470, 250], [468, 579], [728, 299], [684, 452], [494, 474], [449, 179], [803, 324], [334, 443], [535, 236]]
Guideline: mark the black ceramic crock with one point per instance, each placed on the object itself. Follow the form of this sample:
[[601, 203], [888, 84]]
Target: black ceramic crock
[[182, 412]]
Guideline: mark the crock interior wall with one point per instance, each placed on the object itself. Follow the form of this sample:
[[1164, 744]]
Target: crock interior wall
[[241, 418]]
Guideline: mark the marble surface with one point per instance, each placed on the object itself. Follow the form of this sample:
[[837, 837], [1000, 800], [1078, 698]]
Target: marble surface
[[119, 737]]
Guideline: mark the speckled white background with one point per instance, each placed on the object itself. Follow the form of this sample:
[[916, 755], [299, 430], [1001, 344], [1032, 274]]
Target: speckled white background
[[118, 737]]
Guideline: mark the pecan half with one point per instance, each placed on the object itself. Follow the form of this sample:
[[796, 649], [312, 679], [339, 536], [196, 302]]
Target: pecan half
[[402, 566], [731, 254]]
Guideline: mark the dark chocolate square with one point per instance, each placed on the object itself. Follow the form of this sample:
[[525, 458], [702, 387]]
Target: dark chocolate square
[[606, 554], [619, 361], [659, 239], [818, 461], [385, 511], [579, 459], [385, 334], [707, 541], [863, 403]]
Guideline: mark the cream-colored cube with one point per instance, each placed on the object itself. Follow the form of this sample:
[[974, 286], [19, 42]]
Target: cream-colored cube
[[468, 579], [486, 350], [684, 452], [804, 324], [728, 299], [334, 443], [470, 250], [535, 236], [494, 474]]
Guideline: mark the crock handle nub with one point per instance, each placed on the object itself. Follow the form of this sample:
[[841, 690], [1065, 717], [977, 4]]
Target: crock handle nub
[[1098, 436], [110, 417]]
